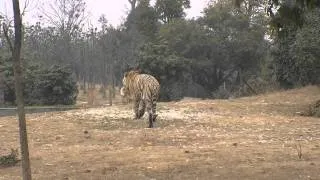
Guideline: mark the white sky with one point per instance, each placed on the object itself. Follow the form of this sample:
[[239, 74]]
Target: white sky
[[115, 10]]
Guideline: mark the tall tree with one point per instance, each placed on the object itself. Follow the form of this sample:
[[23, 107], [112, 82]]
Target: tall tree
[[144, 19], [201, 55], [26, 170], [294, 61], [283, 12], [171, 9], [133, 4], [68, 17]]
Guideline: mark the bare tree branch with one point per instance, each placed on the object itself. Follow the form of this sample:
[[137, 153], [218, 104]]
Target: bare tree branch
[[66, 15], [133, 4], [24, 10], [6, 35]]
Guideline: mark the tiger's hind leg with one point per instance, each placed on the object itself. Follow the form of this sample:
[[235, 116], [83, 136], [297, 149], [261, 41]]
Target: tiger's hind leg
[[141, 109], [154, 112], [136, 108], [150, 114]]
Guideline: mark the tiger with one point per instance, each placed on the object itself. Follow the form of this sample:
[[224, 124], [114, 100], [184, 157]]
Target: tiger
[[144, 90]]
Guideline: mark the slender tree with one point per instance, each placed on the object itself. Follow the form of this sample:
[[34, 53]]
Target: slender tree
[[26, 170]]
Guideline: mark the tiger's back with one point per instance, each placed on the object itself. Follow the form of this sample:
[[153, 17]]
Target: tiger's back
[[148, 86]]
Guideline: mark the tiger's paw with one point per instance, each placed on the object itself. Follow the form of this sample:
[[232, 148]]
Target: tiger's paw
[[136, 117], [154, 117]]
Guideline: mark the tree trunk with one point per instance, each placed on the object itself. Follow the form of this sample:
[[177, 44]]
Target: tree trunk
[[1, 89], [110, 95], [104, 78], [26, 170], [110, 82], [103, 88], [113, 87]]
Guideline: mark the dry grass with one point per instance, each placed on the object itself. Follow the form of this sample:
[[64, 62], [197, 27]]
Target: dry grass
[[246, 138], [93, 97]]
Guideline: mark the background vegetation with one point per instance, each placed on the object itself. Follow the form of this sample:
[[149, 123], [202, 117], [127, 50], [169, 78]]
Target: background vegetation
[[237, 48]]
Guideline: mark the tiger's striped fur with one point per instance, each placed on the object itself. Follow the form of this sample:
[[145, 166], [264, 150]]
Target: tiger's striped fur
[[144, 90]]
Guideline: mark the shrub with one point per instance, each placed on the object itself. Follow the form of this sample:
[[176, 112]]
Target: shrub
[[10, 159], [42, 86], [170, 70], [313, 109]]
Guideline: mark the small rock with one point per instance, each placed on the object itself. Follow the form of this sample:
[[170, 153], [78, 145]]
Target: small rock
[[235, 144], [86, 132]]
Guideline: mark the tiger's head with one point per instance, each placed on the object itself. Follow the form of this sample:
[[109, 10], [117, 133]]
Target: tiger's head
[[123, 92], [127, 82]]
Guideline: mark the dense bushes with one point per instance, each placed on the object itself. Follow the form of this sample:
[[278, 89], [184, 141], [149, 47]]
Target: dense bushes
[[296, 52], [194, 58], [42, 86], [171, 70]]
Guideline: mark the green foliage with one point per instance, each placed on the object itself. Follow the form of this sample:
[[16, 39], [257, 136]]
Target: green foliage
[[313, 109], [209, 51], [306, 49], [215, 55], [42, 86], [168, 68], [171, 9], [289, 13], [143, 18], [296, 53], [189, 40], [54, 85], [10, 159], [194, 58]]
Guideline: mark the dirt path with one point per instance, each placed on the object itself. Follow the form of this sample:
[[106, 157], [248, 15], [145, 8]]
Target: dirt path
[[247, 138]]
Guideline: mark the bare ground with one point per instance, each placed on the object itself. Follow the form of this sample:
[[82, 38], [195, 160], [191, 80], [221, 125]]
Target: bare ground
[[248, 138]]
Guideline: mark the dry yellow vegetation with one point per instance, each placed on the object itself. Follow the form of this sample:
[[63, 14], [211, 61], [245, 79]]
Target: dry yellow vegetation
[[259, 137]]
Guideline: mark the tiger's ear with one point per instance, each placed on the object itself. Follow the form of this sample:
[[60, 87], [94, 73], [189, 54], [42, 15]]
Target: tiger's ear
[[126, 74], [137, 70]]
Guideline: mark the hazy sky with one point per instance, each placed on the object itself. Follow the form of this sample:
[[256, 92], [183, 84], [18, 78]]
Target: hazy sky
[[115, 10]]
